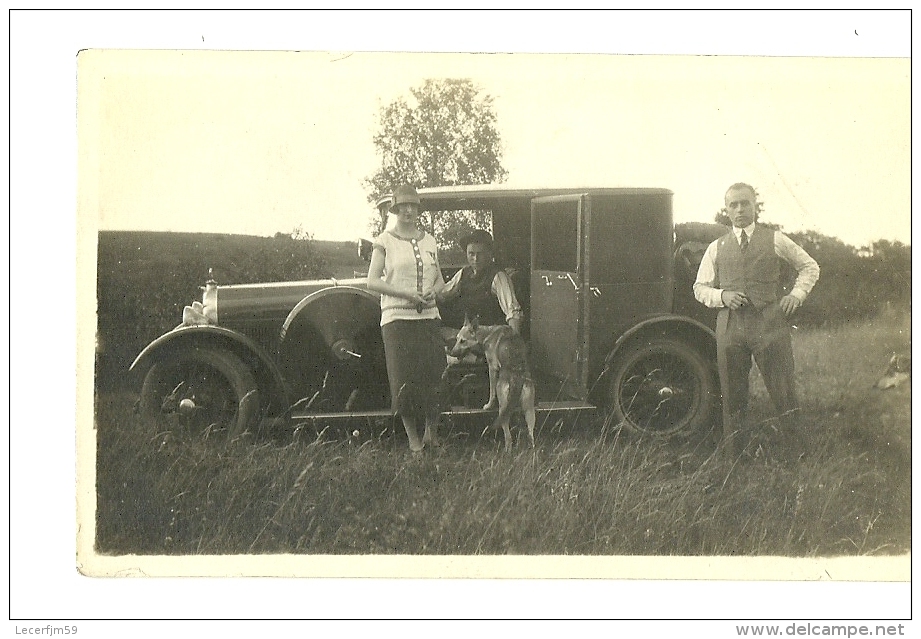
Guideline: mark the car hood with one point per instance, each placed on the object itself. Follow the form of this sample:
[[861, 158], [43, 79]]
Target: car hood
[[247, 302]]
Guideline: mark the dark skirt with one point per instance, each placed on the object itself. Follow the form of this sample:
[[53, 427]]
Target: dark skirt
[[415, 355]]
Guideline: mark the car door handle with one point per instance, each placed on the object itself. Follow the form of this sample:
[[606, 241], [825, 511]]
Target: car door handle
[[568, 276]]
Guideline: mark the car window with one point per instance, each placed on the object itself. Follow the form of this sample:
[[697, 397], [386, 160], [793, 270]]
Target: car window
[[556, 236]]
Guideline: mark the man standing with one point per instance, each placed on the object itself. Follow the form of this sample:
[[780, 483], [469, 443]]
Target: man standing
[[740, 275]]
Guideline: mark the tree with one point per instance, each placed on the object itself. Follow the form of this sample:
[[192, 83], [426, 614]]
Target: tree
[[444, 134]]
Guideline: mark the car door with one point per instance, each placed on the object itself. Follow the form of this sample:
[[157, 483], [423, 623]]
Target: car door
[[559, 269]]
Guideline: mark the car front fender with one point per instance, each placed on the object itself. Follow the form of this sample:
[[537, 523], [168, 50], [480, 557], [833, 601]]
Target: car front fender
[[678, 325], [337, 314], [266, 370]]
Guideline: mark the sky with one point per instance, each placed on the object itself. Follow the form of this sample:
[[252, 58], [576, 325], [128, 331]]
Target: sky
[[266, 142], [252, 147]]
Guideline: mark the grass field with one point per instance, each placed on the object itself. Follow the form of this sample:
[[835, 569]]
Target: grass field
[[585, 490]]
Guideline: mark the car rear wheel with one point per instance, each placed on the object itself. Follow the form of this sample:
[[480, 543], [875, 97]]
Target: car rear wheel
[[663, 387], [205, 390]]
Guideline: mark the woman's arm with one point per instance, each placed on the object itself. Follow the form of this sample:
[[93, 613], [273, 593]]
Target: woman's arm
[[438, 287], [376, 284], [449, 290]]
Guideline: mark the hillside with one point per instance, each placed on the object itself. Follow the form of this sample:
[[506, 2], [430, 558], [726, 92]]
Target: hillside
[[227, 254]]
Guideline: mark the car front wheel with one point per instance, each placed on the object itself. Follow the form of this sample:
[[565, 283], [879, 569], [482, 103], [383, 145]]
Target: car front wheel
[[203, 389], [663, 387]]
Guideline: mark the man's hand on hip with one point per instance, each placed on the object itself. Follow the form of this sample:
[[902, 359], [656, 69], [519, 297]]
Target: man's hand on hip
[[789, 304]]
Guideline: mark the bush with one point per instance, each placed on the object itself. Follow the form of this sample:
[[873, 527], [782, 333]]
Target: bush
[[854, 284]]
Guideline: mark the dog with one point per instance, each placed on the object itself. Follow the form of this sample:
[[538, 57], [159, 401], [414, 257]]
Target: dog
[[899, 371], [511, 385]]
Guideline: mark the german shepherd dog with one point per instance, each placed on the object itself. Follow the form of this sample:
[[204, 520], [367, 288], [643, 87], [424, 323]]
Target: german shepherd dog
[[510, 383]]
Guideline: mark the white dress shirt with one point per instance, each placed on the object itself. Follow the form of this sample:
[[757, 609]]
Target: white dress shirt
[[807, 269]]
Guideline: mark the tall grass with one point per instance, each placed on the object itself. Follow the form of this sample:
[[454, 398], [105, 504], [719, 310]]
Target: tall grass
[[585, 489]]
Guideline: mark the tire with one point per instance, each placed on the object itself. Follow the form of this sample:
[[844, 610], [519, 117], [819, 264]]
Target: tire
[[222, 391], [663, 388]]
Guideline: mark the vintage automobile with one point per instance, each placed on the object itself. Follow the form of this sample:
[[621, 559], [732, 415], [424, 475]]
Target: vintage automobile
[[604, 279]]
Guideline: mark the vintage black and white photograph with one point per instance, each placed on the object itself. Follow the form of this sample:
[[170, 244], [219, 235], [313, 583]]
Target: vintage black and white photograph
[[461, 304], [495, 315]]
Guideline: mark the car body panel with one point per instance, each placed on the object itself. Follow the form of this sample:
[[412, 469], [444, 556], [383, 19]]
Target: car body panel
[[628, 270]]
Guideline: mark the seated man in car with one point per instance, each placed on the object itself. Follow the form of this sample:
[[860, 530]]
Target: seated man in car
[[480, 289]]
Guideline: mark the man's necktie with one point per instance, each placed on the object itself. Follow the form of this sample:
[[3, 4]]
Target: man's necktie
[[744, 241]]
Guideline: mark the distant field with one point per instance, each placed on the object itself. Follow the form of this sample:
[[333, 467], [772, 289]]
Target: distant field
[[587, 489]]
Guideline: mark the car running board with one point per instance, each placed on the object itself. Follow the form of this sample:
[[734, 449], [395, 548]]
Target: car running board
[[543, 408]]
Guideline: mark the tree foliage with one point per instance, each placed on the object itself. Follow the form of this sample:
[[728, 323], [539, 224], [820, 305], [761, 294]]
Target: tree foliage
[[854, 284], [444, 134]]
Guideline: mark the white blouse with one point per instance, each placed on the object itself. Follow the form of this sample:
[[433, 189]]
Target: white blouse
[[408, 264]]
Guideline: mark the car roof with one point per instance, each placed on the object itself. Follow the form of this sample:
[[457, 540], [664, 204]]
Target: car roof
[[481, 194]]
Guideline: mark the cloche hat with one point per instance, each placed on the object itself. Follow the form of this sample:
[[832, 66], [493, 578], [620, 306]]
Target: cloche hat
[[405, 194]]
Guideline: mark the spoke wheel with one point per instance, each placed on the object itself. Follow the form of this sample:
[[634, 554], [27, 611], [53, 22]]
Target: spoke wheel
[[663, 387], [204, 389]]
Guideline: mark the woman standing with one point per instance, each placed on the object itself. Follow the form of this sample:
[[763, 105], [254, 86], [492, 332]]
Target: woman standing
[[405, 271]]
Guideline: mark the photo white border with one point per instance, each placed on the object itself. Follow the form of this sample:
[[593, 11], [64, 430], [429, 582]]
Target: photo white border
[[43, 190]]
